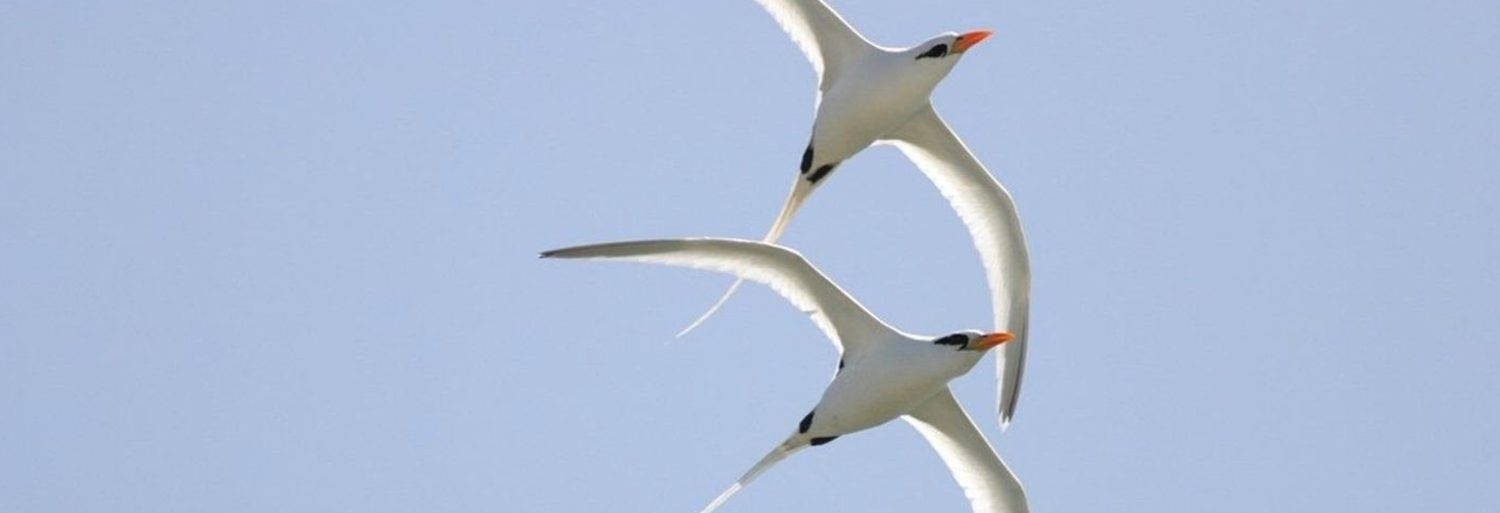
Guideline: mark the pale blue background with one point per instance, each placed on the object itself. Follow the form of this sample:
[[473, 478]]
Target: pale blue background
[[280, 256]]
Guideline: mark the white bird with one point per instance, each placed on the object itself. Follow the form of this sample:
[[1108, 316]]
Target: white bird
[[869, 94], [883, 373]]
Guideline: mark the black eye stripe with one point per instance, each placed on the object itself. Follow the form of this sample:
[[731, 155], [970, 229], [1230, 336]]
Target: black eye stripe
[[952, 340], [937, 51]]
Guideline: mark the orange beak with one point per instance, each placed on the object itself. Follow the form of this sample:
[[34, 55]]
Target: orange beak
[[970, 39], [988, 342]]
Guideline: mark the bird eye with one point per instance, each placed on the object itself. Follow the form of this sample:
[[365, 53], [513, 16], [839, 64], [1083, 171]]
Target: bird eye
[[937, 51]]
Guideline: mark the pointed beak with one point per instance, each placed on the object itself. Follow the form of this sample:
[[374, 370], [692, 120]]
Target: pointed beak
[[973, 38], [988, 342]]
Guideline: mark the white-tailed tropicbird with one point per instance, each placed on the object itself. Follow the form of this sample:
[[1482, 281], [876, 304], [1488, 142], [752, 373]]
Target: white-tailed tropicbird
[[869, 94], [883, 373]]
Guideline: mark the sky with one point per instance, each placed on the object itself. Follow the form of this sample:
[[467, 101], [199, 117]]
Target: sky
[[281, 256]]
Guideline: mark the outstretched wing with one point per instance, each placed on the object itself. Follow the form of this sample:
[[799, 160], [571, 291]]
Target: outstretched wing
[[843, 319], [987, 210], [990, 486], [829, 42]]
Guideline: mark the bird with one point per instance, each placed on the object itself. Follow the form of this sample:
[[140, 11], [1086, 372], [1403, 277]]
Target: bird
[[869, 95], [883, 373]]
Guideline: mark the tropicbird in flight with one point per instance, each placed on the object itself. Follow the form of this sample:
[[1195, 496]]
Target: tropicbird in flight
[[883, 373]]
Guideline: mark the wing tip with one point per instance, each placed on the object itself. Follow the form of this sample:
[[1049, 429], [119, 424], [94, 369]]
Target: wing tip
[[595, 250], [1007, 411], [554, 253], [570, 251]]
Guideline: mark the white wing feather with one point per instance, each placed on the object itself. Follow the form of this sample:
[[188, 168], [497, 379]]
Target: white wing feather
[[829, 42], [839, 316], [990, 215], [830, 45], [990, 486]]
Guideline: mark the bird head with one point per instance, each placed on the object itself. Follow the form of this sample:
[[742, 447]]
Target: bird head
[[945, 49], [972, 340]]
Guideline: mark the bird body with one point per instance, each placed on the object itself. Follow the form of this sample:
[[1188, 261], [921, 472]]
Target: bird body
[[876, 95], [883, 385], [883, 373]]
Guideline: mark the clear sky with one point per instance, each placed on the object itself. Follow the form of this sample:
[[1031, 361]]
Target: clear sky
[[280, 256]]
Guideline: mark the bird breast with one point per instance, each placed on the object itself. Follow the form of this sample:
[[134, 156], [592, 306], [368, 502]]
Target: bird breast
[[872, 101], [882, 387]]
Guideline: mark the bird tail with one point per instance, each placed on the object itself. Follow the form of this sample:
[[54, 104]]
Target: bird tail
[[801, 189], [787, 448]]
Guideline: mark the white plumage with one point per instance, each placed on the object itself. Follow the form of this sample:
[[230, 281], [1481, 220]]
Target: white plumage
[[869, 95], [884, 373]]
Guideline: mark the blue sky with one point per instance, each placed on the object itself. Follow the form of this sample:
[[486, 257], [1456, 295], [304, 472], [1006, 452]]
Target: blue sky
[[280, 256]]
